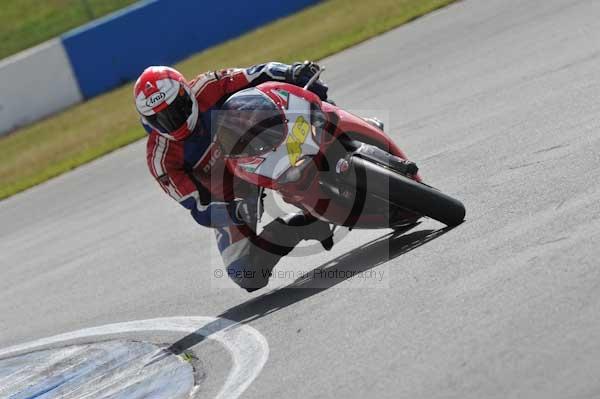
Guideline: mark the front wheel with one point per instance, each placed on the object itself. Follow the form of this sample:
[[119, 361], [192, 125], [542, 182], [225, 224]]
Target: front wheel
[[401, 191]]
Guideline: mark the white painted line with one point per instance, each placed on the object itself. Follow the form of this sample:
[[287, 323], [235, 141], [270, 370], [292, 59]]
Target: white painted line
[[248, 348]]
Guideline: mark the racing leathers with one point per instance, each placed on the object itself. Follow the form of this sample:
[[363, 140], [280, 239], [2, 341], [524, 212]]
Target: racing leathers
[[193, 172]]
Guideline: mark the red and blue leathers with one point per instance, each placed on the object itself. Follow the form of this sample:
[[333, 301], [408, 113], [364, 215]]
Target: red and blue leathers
[[193, 172]]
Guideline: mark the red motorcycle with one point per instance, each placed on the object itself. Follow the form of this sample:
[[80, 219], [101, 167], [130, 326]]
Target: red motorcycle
[[337, 166]]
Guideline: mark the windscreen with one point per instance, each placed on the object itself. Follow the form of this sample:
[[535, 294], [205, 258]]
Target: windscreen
[[249, 124]]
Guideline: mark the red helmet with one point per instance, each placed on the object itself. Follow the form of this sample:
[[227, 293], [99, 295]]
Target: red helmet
[[165, 101]]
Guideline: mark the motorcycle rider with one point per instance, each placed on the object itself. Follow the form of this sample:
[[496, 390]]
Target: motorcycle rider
[[189, 165]]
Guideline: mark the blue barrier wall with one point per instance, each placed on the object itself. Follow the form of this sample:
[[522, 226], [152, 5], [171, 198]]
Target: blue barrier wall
[[114, 50]]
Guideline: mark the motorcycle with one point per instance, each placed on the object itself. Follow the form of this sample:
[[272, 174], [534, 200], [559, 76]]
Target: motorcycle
[[324, 160]]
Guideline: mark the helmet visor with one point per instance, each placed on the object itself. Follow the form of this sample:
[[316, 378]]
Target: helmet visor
[[174, 116]]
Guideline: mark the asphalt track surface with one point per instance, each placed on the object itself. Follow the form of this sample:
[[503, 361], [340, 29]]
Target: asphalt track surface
[[499, 103]]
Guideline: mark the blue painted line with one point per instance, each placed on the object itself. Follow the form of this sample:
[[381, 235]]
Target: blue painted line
[[42, 390]]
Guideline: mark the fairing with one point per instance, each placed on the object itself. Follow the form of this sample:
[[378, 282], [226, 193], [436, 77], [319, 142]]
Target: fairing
[[304, 147]]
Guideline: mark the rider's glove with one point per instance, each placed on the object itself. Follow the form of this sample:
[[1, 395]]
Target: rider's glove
[[300, 73]]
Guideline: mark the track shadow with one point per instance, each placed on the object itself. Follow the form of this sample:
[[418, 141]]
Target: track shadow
[[361, 259]]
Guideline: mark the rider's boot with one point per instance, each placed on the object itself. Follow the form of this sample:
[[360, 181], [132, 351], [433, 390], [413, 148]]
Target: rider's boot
[[374, 122], [279, 238], [308, 227]]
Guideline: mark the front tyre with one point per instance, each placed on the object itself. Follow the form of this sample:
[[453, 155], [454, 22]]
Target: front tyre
[[401, 191]]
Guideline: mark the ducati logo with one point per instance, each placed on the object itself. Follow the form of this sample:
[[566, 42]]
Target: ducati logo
[[214, 156]]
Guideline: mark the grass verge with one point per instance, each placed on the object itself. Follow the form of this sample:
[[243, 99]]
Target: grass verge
[[26, 23], [82, 133]]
